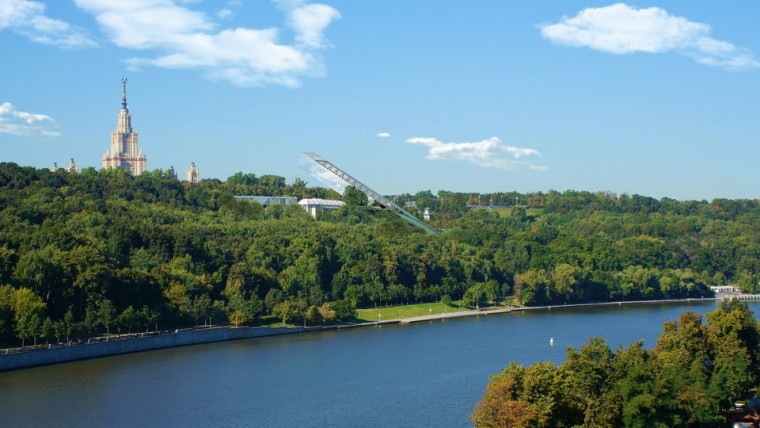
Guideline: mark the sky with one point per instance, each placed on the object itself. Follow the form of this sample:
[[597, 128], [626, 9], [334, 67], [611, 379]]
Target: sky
[[651, 98]]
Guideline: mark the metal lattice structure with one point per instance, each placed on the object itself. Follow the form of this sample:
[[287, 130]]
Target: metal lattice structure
[[382, 200]]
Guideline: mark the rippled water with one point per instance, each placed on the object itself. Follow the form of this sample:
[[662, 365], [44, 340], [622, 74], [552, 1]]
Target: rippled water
[[427, 374]]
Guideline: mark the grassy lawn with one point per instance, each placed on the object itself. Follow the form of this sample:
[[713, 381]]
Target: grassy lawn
[[407, 311], [396, 312], [271, 321], [530, 212]]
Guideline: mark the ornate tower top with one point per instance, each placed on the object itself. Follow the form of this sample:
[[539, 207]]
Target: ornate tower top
[[124, 93], [192, 173], [124, 152]]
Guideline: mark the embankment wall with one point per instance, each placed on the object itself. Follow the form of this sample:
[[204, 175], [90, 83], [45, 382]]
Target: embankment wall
[[103, 348]]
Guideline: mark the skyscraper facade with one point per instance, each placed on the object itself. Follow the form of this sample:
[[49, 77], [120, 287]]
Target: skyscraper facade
[[124, 152]]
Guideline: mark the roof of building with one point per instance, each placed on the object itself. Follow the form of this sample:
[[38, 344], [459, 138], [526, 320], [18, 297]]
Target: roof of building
[[321, 202]]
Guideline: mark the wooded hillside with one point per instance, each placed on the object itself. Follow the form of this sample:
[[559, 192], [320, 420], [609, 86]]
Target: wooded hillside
[[102, 250]]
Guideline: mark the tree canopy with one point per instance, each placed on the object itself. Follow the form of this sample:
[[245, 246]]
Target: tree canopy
[[690, 379], [108, 251]]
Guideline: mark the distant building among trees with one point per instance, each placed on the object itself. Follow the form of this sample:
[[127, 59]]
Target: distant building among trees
[[124, 152], [72, 166], [192, 173]]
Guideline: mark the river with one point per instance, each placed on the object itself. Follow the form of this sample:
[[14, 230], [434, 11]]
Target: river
[[422, 374]]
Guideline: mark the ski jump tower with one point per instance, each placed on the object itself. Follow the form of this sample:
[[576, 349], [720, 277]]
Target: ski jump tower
[[382, 200]]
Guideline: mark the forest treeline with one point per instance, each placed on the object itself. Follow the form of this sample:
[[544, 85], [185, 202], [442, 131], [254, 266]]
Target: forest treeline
[[105, 251], [691, 378]]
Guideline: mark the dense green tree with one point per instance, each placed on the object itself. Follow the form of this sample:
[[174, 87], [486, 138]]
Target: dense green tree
[[28, 314], [690, 379], [7, 304], [128, 320], [291, 311], [106, 314], [173, 249], [533, 287], [354, 196]]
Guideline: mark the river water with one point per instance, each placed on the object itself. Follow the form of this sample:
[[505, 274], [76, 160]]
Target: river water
[[424, 374]]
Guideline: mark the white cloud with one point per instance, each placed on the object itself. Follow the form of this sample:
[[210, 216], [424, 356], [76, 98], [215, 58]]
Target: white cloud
[[21, 123], [328, 179], [488, 153], [324, 176], [622, 29], [28, 19], [310, 21], [224, 13], [227, 12], [383, 134], [177, 37]]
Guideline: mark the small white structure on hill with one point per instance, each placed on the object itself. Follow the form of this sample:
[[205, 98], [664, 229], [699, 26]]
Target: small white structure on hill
[[312, 206], [725, 289], [426, 215]]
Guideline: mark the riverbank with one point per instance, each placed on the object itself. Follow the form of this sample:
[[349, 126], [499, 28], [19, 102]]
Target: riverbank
[[534, 308], [115, 345]]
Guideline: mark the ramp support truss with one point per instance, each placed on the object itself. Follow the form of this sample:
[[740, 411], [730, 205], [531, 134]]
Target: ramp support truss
[[351, 181]]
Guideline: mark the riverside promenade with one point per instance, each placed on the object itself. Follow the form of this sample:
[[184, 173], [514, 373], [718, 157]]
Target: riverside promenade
[[485, 311], [447, 315], [19, 358], [13, 359]]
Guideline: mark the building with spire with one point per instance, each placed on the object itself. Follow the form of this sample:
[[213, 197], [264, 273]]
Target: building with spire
[[72, 166], [124, 152], [192, 173]]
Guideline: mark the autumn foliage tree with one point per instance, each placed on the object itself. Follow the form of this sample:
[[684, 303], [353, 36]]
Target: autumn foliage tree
[[690, 379]]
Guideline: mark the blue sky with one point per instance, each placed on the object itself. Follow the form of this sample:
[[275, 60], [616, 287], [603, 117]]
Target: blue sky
[[657, 98]]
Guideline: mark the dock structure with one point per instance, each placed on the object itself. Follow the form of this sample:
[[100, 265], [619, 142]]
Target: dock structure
[[743, 297]]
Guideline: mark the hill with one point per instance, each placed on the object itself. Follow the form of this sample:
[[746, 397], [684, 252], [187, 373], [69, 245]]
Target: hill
[[106, 251]]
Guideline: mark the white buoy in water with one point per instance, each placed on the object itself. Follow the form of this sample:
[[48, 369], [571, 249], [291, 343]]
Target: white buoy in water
[[551, 341]]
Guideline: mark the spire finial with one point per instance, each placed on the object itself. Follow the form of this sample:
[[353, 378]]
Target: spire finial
[[124, 93]]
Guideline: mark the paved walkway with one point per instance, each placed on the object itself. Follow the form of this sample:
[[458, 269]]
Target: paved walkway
[[472, 313], [458, 314]]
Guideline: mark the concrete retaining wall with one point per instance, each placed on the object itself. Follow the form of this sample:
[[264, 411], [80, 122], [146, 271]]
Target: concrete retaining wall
[[39, 357]]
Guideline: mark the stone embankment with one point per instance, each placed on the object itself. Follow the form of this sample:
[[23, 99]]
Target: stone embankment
[[115, 345]]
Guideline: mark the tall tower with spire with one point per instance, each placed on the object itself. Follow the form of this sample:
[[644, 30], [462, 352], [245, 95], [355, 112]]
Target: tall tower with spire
[[124, 152], [192, 173]]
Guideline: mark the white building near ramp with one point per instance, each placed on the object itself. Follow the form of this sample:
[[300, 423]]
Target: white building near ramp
[[313, 206]]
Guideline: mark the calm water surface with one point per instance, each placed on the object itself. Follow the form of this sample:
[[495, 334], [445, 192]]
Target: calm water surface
[[427, 374]]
